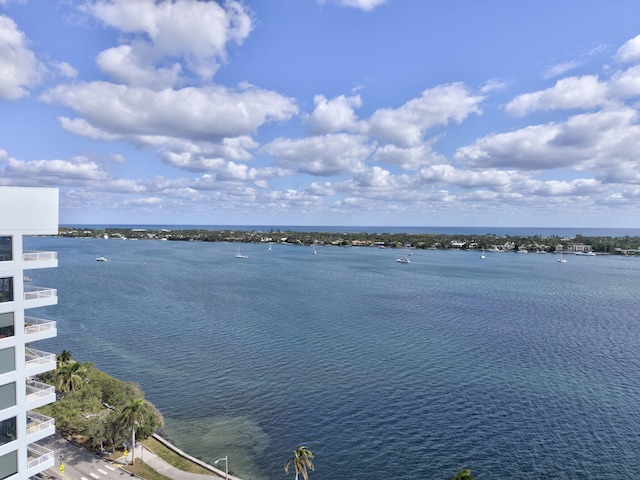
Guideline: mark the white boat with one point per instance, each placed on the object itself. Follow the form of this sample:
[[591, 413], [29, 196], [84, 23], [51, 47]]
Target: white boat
[[314, 250], [269, 249], [586, 254], [562, 259], [101, 259], [403, 260], [482, 255], [240, 255]]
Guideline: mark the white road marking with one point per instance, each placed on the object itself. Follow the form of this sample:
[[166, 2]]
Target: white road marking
[[102, 471], [110, 468], [94, 475]]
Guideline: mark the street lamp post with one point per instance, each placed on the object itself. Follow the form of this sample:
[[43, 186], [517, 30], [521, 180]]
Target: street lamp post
[[141, 451], [226, 466]]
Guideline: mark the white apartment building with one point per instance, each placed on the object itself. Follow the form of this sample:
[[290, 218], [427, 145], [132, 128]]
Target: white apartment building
[[25, 212]]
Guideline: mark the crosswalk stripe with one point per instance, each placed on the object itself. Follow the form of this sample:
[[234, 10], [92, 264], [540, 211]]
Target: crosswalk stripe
[[84, 478], [102, 471], [94, 475], [110, 468]]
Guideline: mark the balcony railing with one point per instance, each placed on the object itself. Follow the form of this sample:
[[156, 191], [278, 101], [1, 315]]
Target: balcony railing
[[37, 390], [35, 293], [37, 423], [37, 455], [37, 325], [35, 357], [35, 256]]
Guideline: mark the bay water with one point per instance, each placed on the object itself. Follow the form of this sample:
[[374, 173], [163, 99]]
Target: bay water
[[514, 366]]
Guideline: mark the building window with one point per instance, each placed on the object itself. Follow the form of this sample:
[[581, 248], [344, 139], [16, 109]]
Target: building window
[[7, 360], [6, 249], [7, 395], [8, 464], [6, 289], [6, 325], [7, 430]]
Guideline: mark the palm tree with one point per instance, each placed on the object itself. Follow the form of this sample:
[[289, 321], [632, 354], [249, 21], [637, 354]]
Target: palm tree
[[64, 358], [132, 416], [69, 378], [463, 475], [301, 461]]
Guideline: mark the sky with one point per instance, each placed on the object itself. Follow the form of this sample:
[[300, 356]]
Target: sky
[[325, 112]]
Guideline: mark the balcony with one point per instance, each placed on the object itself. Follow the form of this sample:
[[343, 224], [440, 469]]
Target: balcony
[[38, 329], [39, 394], [37, 361], [39, 426], [40, 296], [39, 459], [34, 259]]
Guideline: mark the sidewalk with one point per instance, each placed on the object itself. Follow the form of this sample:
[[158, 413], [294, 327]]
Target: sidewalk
[[165, 468]]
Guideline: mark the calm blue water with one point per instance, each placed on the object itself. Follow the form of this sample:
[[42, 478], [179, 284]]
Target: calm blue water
[[515, 366]]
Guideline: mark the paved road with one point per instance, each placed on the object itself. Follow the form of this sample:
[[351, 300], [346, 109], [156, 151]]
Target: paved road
[[79, 464]]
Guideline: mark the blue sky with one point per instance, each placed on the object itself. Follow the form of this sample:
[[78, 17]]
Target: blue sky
[[332, 112]]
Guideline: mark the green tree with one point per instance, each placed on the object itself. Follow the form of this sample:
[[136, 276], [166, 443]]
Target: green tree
[[64, 358], [463, 475], [301, 461], [132, 415], [69, 377]]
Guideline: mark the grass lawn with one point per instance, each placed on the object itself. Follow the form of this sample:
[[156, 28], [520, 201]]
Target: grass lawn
[[143, 470], [173, 458]]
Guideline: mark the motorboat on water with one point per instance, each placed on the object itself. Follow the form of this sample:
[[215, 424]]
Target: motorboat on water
[[101, 259], [403, 260]]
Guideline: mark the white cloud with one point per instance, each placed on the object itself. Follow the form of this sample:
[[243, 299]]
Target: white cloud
[[76, 171], [334, 115], [366, 5], [195, 32], [66, 70], [626, 83], [561, 68], [630, 51], [568, 93], [148, 201], [125, 65], [410, 158], [601, 140], [19, 68], [451, 176], [324, 155], [81, 127], [210, 113], [406, 126]]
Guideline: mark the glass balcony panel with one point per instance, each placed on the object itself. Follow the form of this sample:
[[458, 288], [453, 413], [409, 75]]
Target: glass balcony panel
[[38, 390], [37, 455], [35, 357], [37, 423], [37, 325], [35, 293], [35, 256]]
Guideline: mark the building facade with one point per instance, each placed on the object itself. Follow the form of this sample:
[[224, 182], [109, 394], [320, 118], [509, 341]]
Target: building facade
[[25, 212]]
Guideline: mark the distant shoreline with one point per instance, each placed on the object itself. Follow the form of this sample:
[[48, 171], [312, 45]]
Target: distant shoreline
[[601, 244], [382, 229]]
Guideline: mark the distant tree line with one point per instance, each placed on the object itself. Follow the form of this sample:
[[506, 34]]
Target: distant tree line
[[599, 244]]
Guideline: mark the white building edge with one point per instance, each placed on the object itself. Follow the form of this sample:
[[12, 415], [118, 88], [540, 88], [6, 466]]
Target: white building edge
[[25, 212]]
